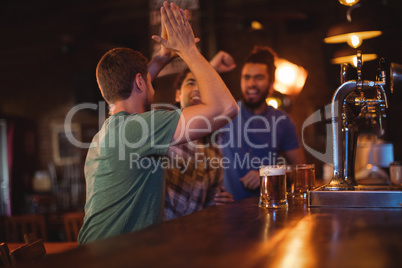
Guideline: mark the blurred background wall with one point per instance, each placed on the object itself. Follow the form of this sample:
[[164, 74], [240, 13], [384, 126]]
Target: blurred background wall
[[49, 51]]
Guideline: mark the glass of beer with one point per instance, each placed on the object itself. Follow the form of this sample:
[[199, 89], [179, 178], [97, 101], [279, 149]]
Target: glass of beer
[[290, 171], [273, 187], [304, 179]]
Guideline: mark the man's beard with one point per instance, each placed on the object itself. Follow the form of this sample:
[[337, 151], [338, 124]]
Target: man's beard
[[253, 104]]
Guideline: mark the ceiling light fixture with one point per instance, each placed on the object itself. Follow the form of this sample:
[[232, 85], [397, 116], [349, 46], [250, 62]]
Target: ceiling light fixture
[[348, 55], [256, 25], [352, 32], [289, 77], [348, 2]]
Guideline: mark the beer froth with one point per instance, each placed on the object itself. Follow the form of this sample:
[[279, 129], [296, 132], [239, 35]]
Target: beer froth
[[271, 171]]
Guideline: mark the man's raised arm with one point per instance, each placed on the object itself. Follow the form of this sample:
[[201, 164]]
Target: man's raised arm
[[218, 105]]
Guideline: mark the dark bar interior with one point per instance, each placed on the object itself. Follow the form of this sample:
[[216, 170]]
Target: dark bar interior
[[346, 118]]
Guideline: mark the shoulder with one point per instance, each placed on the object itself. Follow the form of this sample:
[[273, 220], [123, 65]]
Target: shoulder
[[156, 115]]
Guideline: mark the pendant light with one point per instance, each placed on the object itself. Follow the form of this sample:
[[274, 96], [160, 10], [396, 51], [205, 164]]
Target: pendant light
[[348, 55], [352, 32], [348, 2]]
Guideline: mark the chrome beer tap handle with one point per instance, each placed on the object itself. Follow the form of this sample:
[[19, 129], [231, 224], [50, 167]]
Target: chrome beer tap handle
[[359, 70], [349, 105], [344, 72], [338, 182]]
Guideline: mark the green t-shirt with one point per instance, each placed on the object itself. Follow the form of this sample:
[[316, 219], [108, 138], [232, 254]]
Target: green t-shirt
[[124, 177]]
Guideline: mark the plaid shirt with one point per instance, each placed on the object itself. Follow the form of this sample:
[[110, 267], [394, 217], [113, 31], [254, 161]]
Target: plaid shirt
[[194, 179]]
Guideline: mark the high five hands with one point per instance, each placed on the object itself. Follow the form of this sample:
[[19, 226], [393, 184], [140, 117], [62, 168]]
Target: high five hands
[[177, 34]]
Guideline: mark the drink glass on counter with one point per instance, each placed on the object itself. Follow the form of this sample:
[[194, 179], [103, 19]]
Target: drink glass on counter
[[395, 170], [273, 187], [290, 173], [304, 179]]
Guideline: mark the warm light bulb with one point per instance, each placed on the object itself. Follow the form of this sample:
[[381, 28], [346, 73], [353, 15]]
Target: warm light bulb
[[289, 78], [352, 58], [286, 75], [348, 2], [255, 25], [272, 102], [355, 61], [354, 41]]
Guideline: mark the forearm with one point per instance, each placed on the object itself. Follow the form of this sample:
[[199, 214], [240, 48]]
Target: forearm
[[214, 92], [157, 63], [216, 98]]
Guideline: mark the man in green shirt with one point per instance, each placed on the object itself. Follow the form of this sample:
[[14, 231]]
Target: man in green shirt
[[123, 169]]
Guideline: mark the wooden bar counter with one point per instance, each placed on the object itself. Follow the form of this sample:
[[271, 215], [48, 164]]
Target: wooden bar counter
[[243, 235]]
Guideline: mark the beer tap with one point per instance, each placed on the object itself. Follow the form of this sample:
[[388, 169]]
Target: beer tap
[[356, 105]]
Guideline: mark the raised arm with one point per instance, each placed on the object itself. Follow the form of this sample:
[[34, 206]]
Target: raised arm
[[165, 56], [157, 63], [223, 62], [160, 60], [218, 105]]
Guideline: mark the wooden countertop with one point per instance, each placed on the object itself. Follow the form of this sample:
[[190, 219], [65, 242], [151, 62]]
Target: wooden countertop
[[51, 247], [243, 235]]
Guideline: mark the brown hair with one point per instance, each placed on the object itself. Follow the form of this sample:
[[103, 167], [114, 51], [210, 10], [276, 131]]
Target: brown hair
[[116, 72], [264, 55]]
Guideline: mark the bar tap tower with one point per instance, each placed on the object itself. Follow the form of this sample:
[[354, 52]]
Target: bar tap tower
[[356, 105]]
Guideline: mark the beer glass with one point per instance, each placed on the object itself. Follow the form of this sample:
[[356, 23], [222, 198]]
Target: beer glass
[[273, 187], [395, 170], [304, 179], [290, 171]]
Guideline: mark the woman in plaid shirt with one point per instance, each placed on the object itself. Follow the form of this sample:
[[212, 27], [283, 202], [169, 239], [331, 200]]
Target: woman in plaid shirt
[[194, 177]]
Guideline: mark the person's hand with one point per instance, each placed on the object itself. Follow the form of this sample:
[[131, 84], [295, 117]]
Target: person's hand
[[223, 62], [252, 180], [163, 51], [223, 197], [164, 55], [177, 35]]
